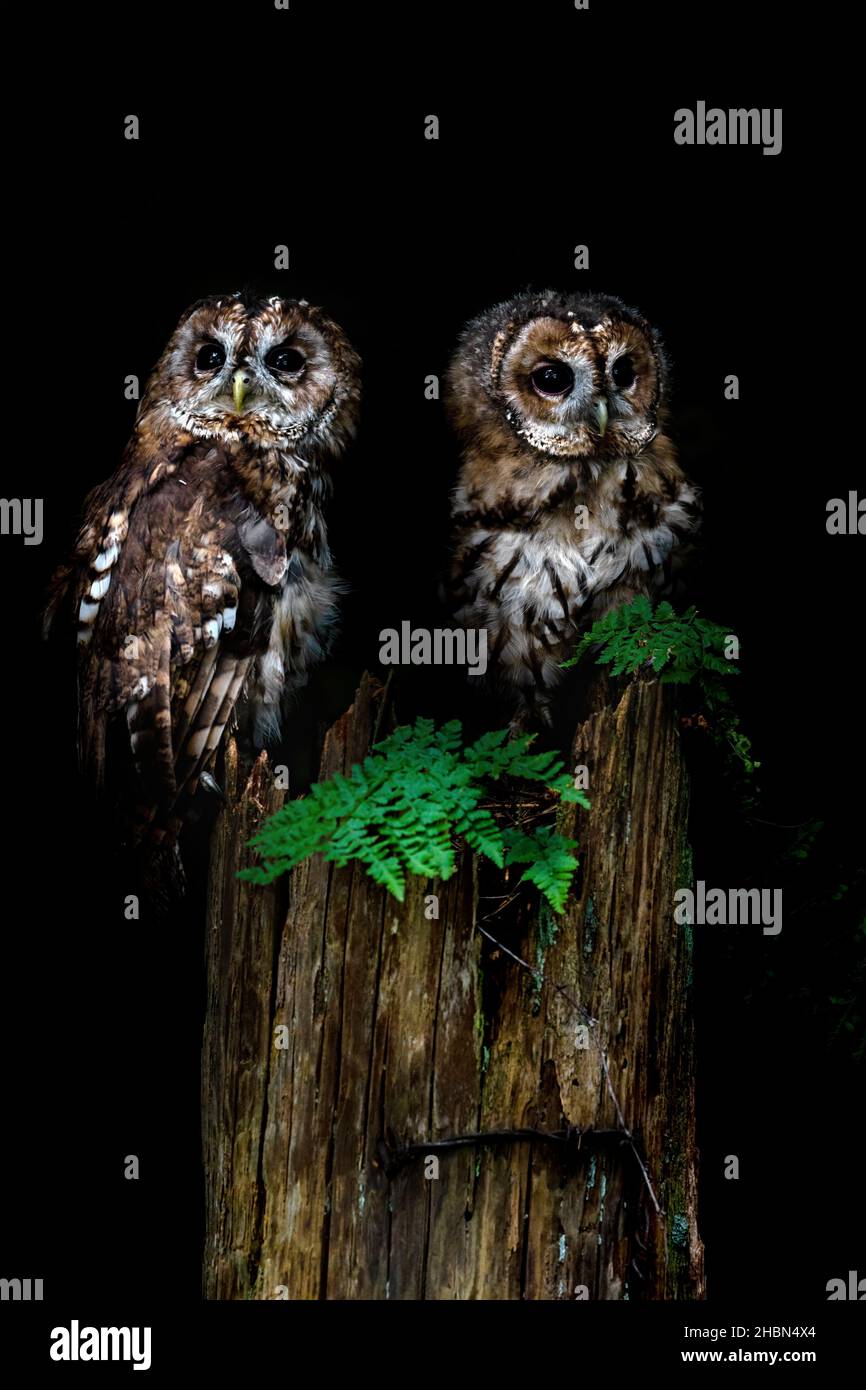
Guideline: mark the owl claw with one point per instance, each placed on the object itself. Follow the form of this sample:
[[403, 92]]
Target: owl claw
[[517, 726], [529, 718], [210, 784]]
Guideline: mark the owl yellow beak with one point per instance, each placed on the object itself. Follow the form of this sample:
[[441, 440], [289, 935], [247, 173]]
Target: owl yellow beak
[[240, 389], [601, 416]]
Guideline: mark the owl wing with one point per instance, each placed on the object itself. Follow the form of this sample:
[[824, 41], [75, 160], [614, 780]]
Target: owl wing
[[656, 511], [170, 584]]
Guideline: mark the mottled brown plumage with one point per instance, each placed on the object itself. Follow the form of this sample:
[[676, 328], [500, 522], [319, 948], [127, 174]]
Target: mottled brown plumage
[[569, 500], [202, 572]]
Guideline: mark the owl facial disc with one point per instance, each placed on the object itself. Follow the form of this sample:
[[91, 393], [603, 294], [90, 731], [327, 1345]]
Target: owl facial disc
[[275, 372], [575, 377]]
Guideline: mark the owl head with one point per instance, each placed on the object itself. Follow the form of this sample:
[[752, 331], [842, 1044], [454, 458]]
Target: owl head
[[574, 377], [269, 372]]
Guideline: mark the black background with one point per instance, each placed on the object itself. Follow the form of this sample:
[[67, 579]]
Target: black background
[[557, 132]]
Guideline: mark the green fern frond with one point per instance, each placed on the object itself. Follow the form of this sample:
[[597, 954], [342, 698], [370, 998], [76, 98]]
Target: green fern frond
[[402, 809], [682, 649], [550, 859]]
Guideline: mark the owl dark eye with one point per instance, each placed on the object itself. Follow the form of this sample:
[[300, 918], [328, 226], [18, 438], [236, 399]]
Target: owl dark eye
[[552, 379], [210, 356], [622, 373], [285, 359]]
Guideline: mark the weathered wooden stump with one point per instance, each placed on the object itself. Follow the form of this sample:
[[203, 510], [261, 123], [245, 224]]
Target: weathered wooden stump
[[409, 1029]]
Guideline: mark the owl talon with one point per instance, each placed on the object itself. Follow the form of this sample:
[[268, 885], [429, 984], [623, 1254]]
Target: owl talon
[[545, 716], [517, 726], [210, 784]]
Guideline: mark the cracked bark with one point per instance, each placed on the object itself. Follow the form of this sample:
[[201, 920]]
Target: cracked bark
[[410, 1029]]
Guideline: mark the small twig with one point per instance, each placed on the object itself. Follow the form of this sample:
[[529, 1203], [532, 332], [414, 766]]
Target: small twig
[[539, 974], [527, 820], [392, 1159], [383, 705], [509, 805], [509, 898]]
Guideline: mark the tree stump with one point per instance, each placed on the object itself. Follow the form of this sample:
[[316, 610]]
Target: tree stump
[[328, 1174]]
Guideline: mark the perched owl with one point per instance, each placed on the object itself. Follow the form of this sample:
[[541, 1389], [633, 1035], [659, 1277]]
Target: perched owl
[[569, 499], [201, 577]]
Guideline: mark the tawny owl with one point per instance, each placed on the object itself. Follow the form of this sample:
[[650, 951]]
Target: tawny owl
[[202, 572], [569, 499]]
